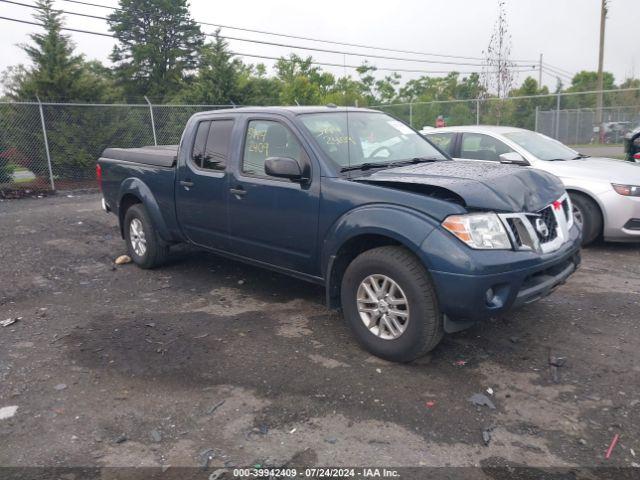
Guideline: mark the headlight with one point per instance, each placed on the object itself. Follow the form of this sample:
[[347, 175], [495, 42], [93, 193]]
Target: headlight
[[627, 190], [479, 230]]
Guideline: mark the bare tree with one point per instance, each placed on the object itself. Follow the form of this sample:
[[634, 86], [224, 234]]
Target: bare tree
[[498, 72]]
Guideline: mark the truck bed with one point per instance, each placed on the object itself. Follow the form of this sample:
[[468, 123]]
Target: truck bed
[[161, 156]]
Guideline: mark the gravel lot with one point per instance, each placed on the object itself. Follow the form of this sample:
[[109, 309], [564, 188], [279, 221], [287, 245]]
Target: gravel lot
[[205, 357]]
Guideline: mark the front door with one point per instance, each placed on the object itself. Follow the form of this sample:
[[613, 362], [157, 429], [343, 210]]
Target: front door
[[273, 220], [201, 189]]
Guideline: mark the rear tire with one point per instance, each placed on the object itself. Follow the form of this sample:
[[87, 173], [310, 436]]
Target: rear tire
[[587, 215], [406, 278], [145, 247]]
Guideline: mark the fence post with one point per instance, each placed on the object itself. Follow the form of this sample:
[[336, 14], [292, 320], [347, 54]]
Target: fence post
[[557, 132], [577, 126], [536, 120], [153, 123], [46, 143], [477, 111], [411, 114]]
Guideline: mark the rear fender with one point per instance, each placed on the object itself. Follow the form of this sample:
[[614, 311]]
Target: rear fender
[[134, 186]]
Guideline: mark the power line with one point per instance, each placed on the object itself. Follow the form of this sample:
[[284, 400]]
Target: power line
[[559, 69], [297, 37], [553, 75], [63, 28], [556, 72], [284, 45], [89, 32]]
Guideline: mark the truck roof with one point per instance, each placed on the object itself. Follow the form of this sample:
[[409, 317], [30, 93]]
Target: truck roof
[[290, 110]]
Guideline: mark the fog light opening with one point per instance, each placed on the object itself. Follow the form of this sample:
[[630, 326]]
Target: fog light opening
[[490, 297], [496, 295]]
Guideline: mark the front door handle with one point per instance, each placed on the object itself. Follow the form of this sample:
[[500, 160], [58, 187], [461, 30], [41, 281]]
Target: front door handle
[[239, 191], [186, 183]]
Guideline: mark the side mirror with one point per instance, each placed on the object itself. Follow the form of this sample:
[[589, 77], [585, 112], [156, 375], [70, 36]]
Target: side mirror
[[283, 167], [513, 158]]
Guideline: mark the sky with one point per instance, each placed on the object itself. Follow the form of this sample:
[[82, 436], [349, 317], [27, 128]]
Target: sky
[[566, 32]]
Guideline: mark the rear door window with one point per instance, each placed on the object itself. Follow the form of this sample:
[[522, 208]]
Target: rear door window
[[216, 151], [200, 143]]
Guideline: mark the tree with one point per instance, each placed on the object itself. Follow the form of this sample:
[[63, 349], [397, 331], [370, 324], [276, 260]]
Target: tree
[[55, 71], [256, 88], [158, 46], [523, 110], [497, 75], [302, 82], [217, 79], [587, 81]]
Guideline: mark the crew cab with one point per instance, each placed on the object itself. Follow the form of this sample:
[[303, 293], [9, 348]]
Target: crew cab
[[408, 243]]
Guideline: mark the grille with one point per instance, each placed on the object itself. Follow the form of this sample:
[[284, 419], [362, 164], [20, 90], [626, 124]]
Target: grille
[[549, 219], [514, 229], [565, 207], [543, 231]]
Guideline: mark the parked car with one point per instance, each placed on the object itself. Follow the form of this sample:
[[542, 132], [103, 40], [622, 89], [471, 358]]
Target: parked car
[[632, 145], [408, 243], [605, 193]]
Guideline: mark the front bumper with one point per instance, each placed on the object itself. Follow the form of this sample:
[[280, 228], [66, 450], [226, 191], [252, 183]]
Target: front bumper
[[619, 215], [493, 289]]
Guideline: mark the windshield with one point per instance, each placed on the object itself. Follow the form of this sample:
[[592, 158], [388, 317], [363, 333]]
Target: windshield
[[368, 138], [541, 146]]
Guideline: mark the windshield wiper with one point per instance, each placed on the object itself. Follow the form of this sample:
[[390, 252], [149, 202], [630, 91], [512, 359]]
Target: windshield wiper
[[396, 163], [580, 155], [363, 166]]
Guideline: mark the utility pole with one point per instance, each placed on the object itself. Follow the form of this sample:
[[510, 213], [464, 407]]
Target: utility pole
[[540, 73], [599, 100]]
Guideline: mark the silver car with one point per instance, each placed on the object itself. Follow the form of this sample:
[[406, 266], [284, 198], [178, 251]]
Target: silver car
[[605, 193]]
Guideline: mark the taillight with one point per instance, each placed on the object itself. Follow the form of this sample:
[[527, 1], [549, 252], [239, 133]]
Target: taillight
[[637, 156], [99, 175]]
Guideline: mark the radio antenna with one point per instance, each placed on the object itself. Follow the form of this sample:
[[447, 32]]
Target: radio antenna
[[346, 111]]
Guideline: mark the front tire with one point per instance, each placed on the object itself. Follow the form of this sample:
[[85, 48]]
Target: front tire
[[390, 304], [145, 247], [587, 216]]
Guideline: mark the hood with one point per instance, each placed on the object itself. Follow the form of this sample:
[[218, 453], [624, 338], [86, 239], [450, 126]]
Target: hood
[[606, 170], [480, 185]]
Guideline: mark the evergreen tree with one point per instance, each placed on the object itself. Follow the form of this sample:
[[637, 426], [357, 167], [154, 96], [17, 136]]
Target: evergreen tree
[[55, 70], [158, 46], [217, 80]]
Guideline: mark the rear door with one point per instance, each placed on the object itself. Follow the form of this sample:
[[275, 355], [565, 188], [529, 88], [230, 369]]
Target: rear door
[[202, 178], [273, 220]]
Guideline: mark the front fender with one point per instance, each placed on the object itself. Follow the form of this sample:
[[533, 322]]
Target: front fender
[[404, 225], [135, 186]]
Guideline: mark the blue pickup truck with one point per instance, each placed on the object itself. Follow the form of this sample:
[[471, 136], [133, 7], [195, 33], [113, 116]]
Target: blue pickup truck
[[408, 243]]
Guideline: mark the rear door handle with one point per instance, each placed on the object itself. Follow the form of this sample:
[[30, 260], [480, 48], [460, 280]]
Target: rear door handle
[[238, 191], [186, 183]]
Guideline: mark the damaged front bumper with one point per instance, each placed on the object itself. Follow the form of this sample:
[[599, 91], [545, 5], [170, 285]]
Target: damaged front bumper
[[500, 282]]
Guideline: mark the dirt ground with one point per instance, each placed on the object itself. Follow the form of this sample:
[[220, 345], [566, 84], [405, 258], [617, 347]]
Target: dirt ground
[[208, 361]]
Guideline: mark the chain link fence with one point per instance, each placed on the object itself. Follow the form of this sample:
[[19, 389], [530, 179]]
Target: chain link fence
[[571, 117], [54, 146]]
